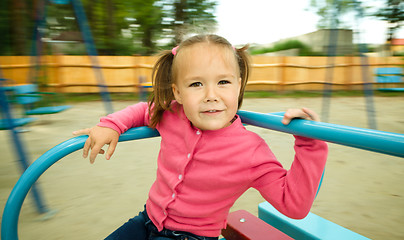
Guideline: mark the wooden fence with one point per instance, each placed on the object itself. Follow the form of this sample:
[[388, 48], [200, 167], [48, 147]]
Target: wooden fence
[[122, 73]]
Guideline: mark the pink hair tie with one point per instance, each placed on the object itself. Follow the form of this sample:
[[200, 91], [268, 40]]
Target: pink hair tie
[[174, 50]]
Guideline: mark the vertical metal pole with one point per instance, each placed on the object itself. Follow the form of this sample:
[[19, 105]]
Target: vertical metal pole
[[36, 45], [19, 147], [332, 52], [327, 90], [367, 83], [367, 88], [92, 52]]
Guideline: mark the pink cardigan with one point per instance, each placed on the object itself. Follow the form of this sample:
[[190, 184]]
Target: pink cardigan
[[202, 173]]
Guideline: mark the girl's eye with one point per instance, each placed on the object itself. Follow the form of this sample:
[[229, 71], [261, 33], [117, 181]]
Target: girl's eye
[[223, 82], [196, 84]]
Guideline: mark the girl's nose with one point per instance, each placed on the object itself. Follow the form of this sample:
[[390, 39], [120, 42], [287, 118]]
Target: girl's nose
[[211, 95]]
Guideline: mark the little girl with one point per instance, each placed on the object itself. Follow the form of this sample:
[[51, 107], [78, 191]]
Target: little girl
[[207, 158]]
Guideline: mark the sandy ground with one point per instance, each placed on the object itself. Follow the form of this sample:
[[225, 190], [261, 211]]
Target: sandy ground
[[362, 191]]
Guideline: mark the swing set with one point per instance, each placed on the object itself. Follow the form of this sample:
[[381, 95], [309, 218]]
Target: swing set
[[28, 95]]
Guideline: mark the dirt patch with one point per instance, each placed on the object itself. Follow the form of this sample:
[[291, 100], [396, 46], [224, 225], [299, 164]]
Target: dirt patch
[[363, 191]]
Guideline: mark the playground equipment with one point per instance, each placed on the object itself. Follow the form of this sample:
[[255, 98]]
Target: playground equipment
[[373, 140], [272, 224], [88, 41], [388, 76], [27, 95], [10, 123], [332, 52]]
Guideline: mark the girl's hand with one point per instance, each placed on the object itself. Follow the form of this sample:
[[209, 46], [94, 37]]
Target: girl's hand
[[303, 113], [97, 138]]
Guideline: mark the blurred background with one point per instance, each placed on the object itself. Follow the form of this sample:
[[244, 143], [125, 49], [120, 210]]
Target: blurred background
[[90, 53], [145, 27], [293, 43]]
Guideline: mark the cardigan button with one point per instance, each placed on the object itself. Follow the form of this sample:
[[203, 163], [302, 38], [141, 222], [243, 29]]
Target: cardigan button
[[180, 176], [198, 132], [189, 155]]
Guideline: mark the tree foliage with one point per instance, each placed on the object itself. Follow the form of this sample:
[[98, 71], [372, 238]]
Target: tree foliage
[[332, 12], [392, 12], [304, 50], [118, 27], [188, 16], [16, 21]]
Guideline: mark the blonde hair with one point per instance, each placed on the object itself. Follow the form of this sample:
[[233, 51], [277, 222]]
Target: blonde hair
[[163, 77]]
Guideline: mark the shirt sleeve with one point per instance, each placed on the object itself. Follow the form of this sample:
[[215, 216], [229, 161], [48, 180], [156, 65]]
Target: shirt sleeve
[[293, 191], [132, 116]]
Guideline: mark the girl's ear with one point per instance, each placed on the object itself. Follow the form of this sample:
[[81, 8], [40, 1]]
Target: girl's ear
[[176, 93]]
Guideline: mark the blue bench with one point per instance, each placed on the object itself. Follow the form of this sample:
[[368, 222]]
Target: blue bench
[[27, 95], [389, 76], [7, 121], [311, 227], [15, 122], [271, 224]]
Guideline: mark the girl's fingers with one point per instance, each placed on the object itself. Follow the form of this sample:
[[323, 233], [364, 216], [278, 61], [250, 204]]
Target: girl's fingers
[[111, 149], [98, 137], [312, 115], [291, 114], [86, 147], [95, 150], [303, 113], [85, 131], [286, 121]]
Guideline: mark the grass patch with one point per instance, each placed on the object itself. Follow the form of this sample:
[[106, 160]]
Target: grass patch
[[89, 97], [304, 50], [288, 94], [309, 94]]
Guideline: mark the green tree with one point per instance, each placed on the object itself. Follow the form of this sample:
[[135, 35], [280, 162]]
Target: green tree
[[393, 13], [5, 39], [107, 19], [331, 12], [147, 16], [189, 16], [118, 27], [16, 20]]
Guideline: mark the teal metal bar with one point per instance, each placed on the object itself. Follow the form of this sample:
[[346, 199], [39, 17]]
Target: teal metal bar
[[28, 178], [363, 138], [312, 227]]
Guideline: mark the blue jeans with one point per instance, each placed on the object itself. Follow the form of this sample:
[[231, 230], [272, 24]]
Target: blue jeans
[[142, 228]]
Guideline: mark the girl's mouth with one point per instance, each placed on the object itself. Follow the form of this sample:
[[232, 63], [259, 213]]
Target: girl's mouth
[[212, 111]]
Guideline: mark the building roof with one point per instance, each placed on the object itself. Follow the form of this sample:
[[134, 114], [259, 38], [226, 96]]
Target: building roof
[[397, 41]]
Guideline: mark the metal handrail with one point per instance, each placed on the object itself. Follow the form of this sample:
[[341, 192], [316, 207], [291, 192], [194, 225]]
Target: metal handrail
[[363, 138]]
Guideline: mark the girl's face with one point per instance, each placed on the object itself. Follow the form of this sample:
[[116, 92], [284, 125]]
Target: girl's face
[[207, 84]]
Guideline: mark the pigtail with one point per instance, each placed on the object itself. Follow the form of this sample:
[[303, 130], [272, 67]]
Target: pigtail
[[243, 60], [162, 94]]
